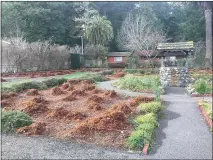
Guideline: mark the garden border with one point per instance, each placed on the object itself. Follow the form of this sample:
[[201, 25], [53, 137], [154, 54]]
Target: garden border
[[202, 95], [146, 148], [205, 115]]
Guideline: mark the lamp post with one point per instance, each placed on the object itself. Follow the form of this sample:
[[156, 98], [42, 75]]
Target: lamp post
[[82, 40], [82, 45]]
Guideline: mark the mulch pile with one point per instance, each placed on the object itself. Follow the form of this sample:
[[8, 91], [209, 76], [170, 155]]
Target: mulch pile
[[111, 94], [33, 108], [58, 113], [34, 129], [112, 119], [95, 98], [32, 92], [65, 86], [69, 98], [57, 91], [78, 93], [94, 105], [119, 74]]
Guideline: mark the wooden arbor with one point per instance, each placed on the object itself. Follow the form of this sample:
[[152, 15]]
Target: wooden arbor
[[178, 50]]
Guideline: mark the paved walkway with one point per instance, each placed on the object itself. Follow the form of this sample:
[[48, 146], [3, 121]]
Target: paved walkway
[[182, 134]]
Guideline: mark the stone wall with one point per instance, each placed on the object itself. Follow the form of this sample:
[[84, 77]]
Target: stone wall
[[174, 76]]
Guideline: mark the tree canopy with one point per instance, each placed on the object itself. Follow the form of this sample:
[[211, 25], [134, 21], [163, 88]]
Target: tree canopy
[[60, 21]]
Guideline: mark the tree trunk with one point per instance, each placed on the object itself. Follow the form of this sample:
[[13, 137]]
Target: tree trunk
[[208, 19]]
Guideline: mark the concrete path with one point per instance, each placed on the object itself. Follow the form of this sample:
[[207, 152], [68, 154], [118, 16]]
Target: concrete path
[[182, 134]]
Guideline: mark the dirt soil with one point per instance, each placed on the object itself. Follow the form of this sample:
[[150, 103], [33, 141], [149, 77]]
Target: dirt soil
[[83, 113]]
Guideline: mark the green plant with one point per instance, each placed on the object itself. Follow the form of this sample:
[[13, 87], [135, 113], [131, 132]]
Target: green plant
[[28, 85], [54, 82], [152, 107], [138, 83], [150, 118], [141, 136], [107, 72], [11, 120], [202, 86], [133, 71], [208, 108], [136, 140]]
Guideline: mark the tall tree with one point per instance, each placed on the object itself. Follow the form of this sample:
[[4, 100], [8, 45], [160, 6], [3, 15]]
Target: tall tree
[[99, 31], [208, 18], [137, 33], [42, 20], [115, 13]]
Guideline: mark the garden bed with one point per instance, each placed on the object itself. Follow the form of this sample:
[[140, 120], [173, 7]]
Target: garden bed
[[143, 84], [206, 110], [201, 85], [77, 110]]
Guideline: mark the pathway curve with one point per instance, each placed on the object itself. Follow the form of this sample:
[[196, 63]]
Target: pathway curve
[[182, 134]]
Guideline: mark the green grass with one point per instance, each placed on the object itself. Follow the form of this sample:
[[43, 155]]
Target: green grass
[[208, 108], [11, 120], [138, 83], [47, 82]]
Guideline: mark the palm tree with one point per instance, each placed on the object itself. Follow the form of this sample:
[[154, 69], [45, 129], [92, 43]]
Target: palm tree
[[208, 18], [99, 31]]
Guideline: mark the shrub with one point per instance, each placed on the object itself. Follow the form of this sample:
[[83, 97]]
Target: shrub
[[150, 118], [152, 107], [133, 71], [138, 83], [54, 82], [136, 140], [107, 72], [28, 85], [141, 136], [11, 120], [203, 86]]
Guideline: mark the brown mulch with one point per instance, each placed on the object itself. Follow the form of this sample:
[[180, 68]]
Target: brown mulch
[[69, 98], [57, 91], [92, 115], [33, 108], [34, 129], [32, 92]]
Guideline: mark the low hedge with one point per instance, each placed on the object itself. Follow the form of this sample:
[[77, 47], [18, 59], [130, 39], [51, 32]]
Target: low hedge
[[145, 125], [133, 71], [152, 107], [54, 82]]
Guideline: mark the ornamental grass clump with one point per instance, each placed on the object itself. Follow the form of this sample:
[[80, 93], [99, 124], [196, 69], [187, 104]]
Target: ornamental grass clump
[[203, 86]]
